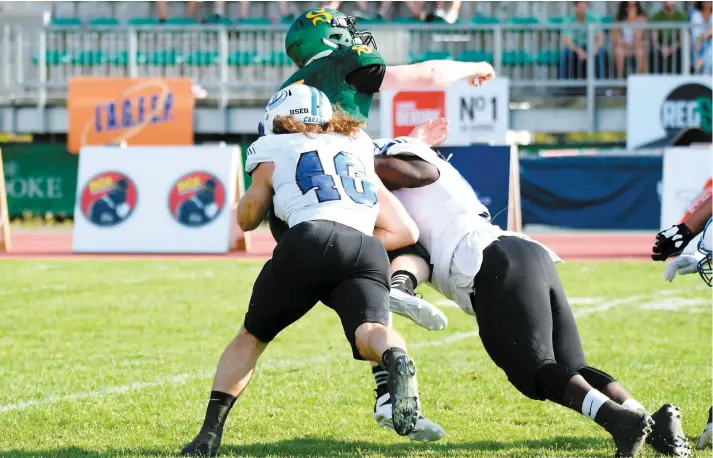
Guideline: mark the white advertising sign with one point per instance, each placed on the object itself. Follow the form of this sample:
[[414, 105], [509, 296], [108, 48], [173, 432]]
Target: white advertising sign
[[475, 114], [140, 199], [686, 183], [660, 107]]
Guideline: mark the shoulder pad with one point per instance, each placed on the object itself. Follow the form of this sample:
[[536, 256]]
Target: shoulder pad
[[260, 151]]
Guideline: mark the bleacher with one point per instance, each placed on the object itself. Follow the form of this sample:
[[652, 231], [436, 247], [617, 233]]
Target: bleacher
[[44, 44]]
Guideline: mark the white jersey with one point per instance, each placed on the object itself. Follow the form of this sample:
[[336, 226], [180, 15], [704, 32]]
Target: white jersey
[[320, 177], [454, 225]]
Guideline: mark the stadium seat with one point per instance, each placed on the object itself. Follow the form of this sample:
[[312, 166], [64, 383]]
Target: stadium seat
[[407, 20], [89, 58], [416, 57], [288, 20], [66, 22], [104, 22], [218, 20], [255, 21], [547, 57], [121, 58], [527, 20], [475, 56], [180, 21], [516, 58], [485, 20], [276, 59], [53, 57], [607, 20], [371, 20], [165, 58], [556, 20], [243, 58], [144, 21], [203, 58]]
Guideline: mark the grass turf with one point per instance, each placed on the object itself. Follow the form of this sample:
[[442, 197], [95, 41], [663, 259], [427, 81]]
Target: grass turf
[[115, 358]]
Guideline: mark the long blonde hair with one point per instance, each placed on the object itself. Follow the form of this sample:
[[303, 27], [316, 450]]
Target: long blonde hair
[[340, 123]]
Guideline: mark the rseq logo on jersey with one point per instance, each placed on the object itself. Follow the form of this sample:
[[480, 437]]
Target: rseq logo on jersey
[[108, 199], [411, 109], [196, 199]]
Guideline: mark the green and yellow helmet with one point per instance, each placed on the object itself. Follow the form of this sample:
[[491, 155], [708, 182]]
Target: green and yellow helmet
[[319, 32]]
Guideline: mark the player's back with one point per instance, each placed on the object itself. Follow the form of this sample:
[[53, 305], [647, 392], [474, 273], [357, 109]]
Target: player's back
[[321, 177]]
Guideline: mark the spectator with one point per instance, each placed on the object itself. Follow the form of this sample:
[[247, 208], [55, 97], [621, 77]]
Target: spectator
[[627, 40], [702, 31], [417, 9], [450, 16], [573, 59], [666, 52], [282, 5], [191, 9]]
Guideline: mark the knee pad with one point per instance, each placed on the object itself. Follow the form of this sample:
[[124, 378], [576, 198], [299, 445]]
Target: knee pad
[[551, 380], [598, 379]]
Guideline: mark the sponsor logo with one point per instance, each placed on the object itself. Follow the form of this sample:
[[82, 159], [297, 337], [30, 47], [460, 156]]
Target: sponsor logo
[[108, 199], [196, 199], [276, 100], [411, 109], [361, 49], [299, 111]]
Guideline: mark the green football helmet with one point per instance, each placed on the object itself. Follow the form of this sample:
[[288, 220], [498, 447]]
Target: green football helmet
[[319, 32]]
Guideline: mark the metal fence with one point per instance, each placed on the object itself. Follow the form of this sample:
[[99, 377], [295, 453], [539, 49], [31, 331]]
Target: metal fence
[[249, 62]]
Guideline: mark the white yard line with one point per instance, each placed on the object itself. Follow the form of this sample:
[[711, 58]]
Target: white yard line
[[180, 379]]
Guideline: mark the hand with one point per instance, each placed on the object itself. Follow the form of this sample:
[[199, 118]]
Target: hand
[[665, 51], [683, 265], [432, 132], [582, 54], [671, 242], [483, 73]]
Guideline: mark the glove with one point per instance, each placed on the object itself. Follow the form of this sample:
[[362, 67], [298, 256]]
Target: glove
[[682, 265], [671, 242]]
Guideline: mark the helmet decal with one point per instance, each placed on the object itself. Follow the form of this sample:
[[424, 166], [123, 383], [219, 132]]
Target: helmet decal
[[319, 15]]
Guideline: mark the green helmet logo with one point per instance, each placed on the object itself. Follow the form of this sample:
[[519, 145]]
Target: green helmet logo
[[319, 32]]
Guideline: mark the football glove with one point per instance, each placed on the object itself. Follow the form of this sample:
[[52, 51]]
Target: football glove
[[671, 242], [682, 265]]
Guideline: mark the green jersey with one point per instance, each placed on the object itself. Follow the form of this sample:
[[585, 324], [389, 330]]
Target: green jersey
[[334, 76]]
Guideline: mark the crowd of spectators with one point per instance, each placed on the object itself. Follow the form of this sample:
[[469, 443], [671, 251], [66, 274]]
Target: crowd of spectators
[[633, 48]]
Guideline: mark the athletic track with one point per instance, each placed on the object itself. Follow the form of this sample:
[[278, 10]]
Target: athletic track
[[570, 246]]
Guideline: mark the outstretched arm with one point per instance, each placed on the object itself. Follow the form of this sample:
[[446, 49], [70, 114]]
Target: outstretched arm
[[697, 220], [435, 74], [398, 172], [256, 202]]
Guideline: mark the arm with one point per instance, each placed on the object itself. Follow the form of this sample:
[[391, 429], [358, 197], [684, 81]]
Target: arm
[[394, 227], [256, 202], [398, 172], [697, 220], [569, 44], [434, 74]]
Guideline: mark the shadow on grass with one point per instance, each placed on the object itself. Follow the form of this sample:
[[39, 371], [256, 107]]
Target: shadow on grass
[[320, 447]]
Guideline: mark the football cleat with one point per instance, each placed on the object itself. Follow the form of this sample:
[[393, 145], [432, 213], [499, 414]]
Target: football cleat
[[667, 436], [424, 431], [205, 444], [403, 388], [705, 439], [417, 310]]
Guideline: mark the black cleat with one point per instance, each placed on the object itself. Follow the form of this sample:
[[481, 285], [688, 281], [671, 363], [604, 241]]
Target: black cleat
[[403, 390], [628, 428], [667, 436], [205, 444]]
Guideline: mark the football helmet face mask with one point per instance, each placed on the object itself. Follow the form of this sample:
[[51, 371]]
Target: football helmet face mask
[[705, 247]]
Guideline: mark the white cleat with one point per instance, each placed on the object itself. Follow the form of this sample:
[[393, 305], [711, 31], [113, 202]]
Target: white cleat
[[707, 435], [425, 430], [417, 310]]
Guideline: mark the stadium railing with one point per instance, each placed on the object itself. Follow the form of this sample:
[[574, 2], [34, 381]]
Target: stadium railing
[[246, 63]]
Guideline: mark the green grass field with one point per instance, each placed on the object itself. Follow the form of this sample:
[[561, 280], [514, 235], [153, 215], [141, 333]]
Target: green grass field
[[115, 358]]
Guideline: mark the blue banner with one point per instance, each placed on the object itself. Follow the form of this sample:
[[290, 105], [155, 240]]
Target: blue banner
[[592, 192], [487, 169]]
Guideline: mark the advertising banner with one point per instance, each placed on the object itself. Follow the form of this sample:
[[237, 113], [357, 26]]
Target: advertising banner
[[661, 107], [138, 111], [155, 200], [476, 115]]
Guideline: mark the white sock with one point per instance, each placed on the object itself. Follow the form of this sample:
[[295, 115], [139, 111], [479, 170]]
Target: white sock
[[592, 402], [633, 404]]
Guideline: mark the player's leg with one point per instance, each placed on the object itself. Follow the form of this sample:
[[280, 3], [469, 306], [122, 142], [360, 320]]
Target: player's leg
[[409, 267], [273, 307], [361, 301], [513, 308], [667, 436]]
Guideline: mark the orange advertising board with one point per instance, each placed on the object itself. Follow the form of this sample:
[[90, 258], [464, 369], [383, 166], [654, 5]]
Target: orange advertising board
[[138, 111], [413, 108]]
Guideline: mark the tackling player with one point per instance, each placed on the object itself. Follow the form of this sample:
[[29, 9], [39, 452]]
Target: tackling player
[[510, 284], [344, 64], [320, 168], [672, 242]]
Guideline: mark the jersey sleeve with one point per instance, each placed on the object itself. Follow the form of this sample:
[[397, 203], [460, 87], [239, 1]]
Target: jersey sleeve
[[257, 153], [359, 56]]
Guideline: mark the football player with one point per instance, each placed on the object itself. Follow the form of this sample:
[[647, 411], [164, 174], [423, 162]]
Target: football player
[[509, 283], [672, 242], [344, 63], [320, 167]]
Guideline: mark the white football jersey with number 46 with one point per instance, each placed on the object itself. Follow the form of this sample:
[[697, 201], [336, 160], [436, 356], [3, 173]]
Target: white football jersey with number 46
[[320, 177]]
